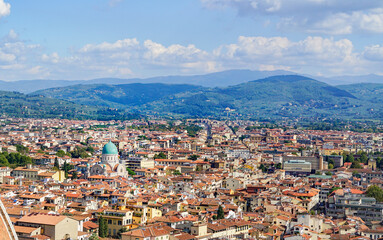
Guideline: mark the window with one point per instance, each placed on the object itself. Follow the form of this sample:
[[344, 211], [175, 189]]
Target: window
[[119, 222], [109, 221]]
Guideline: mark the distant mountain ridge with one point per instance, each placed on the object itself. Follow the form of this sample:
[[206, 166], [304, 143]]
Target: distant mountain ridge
[[14, 104], [118, 96], [217, 79], [274, 97], [372, 92], [346, 80], [289, 96]]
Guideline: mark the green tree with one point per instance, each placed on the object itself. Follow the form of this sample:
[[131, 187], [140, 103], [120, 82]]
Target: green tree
[[74, 175], [263, 168], [79, 152], [121, 230], [379, 162], [60, 153], [344, 154], [66, 167], [130, 171], [56, 164], [16, 159], [331, 161], [102, 227], [193, 157], [192, 130], [3, 161], [94, 237], [143, 137], [220, 213], [363, 158], [278, 166], [349, 158], [90, 149], [22, 149], [330, 166], [356, 164], [356, 174], [161, 155], [375, 192], [176, 172]]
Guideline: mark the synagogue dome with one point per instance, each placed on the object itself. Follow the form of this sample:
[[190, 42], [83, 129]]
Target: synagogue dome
[[109, 148]]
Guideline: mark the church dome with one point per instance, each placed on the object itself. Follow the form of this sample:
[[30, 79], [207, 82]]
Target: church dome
[[109, 148]]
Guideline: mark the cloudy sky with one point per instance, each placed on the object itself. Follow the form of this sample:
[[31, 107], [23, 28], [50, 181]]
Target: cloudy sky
[[72, 39]]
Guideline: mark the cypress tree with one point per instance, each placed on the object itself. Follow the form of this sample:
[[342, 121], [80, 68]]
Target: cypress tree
[[57, 165], [220, 213], [102, 227], [105, 228]]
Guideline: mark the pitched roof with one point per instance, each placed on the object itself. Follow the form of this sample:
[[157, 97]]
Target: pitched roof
[[44, 219]]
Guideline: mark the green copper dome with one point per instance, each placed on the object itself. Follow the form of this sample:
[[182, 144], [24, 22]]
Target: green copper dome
[[109, 148]]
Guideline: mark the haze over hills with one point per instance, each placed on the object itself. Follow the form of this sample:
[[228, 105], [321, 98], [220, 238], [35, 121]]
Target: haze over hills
[[28, 86], [372, 92], [119, 96], [272, 97], [283, 96], [217, 79], [14, 104], [370, 78]]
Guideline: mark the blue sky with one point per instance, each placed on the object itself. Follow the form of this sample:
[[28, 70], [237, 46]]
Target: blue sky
[[127, 38]]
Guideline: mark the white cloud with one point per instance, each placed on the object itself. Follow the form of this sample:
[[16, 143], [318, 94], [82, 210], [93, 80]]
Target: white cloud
[[255, 47], [177, 53], [374, 53], [119, 45], [52, 58], [5, 57], [301, 56], [5, 8], [133, 58], [313, 16], [372, 22]]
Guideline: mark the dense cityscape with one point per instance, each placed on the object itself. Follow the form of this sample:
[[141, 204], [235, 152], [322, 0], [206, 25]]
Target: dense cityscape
[[189, 179], [191, 120]]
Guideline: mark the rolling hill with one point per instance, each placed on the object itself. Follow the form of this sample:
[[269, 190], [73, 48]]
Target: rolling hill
[[371, 92], [290, 96], [217, 79], [14, 104], [118, 96], [273, 97]]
